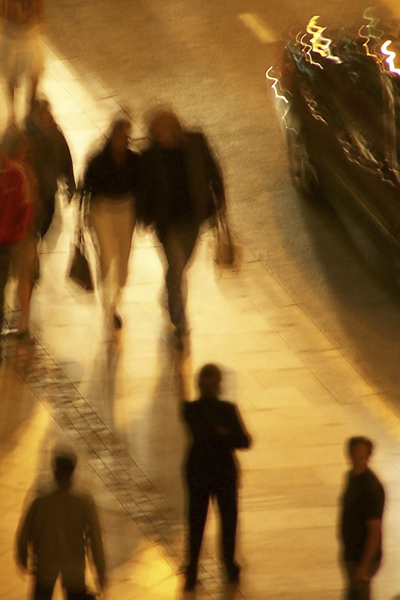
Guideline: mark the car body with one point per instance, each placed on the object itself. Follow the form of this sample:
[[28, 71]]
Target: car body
[[338, 98]]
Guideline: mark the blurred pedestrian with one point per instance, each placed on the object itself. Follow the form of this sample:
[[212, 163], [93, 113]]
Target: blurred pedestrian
[[181, 187], [51, 159], [21, 53], [210, 469], [362, 505], [15, 216], [56, 532], [111, 181], [24, 254]]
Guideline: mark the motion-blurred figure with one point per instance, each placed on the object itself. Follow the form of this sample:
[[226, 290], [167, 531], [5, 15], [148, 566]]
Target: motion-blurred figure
[[362, 507], [21, 54], [210, 469], [24, 254], [111, 179], [181, 187], [15, 216], [51, 158], [56, 532]]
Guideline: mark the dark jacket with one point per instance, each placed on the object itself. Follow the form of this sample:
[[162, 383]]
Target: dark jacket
[[204, 180], [216, 430], [104, 176], [51, 160]]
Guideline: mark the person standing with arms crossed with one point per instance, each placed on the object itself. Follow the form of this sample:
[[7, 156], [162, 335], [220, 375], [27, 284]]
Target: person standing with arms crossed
[[210, 469], [362, 506]]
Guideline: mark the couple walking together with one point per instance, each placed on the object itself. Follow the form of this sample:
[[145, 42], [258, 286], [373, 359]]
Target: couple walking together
[[174, 185]]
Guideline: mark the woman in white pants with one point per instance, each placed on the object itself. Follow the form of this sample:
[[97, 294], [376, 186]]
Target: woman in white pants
[[111, 179]]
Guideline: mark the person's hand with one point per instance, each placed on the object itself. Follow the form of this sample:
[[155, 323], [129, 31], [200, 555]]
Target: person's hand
[[360, 575], [102, 583], [23, 570]]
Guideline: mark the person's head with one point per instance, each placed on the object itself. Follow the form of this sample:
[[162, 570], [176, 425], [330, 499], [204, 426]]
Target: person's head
[[359, 450], [209, 380], [41, 114], [164, 127], [63, 464], [15, 144], [119, 135]]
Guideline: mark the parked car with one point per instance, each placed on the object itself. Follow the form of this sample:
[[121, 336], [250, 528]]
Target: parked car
[[338, 98]]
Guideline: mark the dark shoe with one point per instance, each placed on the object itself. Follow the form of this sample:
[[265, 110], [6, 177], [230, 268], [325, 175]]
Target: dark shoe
[[190, 584], [25, 336], [117, 321], [191, 579], [233, 573]]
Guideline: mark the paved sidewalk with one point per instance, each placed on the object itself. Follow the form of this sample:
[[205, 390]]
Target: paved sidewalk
[[299, 397]]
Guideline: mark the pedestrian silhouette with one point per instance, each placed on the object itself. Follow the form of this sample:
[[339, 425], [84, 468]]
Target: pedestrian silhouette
[[21, 52], [362, 507], [15, 217], [210, 469], [55, 533], [181, 187]]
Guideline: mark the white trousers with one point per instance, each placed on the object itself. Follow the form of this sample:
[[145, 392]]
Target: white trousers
[[112, 223]]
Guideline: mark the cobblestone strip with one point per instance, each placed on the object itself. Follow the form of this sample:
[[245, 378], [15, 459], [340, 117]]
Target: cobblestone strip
[[104, 452]]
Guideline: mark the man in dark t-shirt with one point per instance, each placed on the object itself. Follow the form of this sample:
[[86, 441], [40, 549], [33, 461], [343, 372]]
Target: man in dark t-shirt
[[362, 505]]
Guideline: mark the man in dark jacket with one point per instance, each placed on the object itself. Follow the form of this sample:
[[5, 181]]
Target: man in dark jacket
[[217, 430], [361, 520], [51, 158], [181, 187]]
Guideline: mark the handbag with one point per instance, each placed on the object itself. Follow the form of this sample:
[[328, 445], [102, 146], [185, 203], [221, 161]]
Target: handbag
[[79, 270], [226, 252]]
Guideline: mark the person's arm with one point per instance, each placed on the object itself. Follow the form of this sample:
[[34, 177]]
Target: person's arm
[[23, 539], [215, 175], [372, 544], [241, 437], [145, 204], [67, 167], [234, 430], [96, 543]]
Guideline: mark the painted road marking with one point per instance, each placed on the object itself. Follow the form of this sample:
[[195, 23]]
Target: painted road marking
[[257, 26]]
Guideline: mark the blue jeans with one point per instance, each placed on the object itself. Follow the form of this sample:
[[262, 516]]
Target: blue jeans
[[362, 591]]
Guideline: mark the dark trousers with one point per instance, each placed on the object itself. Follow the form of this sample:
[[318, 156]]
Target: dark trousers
[[41, 592], [199, 498], [178, 242], [5, 257], [362, 591]]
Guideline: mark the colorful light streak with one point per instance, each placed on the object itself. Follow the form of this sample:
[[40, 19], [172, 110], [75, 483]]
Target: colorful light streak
[[391, 56], [320, 44]]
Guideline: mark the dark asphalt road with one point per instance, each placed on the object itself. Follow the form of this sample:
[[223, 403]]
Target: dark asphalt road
[[200, 56]]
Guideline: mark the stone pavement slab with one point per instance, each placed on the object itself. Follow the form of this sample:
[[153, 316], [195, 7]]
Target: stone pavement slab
[[119, 405]]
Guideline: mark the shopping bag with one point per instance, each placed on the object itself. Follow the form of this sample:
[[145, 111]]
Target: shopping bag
[[79, 270]]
